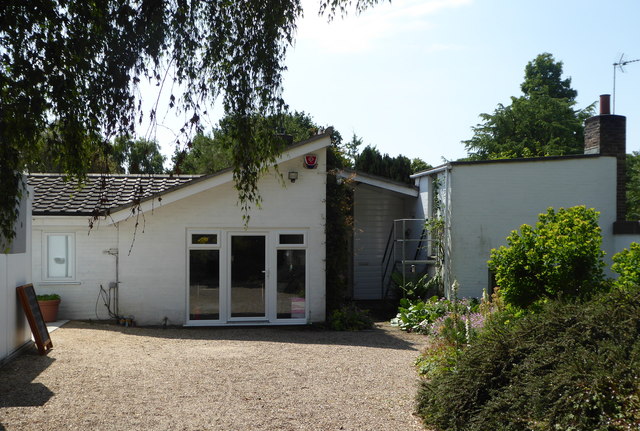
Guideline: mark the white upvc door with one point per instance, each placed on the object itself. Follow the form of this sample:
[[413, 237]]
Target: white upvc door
[[248, 278]]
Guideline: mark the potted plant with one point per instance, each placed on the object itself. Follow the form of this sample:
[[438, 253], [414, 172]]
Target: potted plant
[[49, 306]]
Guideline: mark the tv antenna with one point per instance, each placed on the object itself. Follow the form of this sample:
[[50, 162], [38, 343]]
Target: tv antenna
[[619, 65]]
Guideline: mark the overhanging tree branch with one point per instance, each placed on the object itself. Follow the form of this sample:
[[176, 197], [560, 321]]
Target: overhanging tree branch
[[76, 65]]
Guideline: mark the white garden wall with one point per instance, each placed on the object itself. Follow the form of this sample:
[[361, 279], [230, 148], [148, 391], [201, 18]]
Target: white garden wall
[[15, 270]]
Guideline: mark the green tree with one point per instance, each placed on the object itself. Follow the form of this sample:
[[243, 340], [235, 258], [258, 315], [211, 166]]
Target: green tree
[[558, 258], [77, 64], [137, 156], [419, 165], [213, 152], [371, 161], [205, 156], [48, 154], [352, 149], [543, 76], [542, 122], [633, 186]]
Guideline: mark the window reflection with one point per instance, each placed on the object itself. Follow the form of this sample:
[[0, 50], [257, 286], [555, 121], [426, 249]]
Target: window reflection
[[291, 284], [204, 284]]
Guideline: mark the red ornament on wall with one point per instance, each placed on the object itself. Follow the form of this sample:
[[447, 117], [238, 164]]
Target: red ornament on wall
[[310, 161]]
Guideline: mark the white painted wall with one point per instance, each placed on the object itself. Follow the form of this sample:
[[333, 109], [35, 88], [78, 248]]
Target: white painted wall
[[15, 270], [93, 266], [488, 201], [624, 241], [374, 212], [153, 276]]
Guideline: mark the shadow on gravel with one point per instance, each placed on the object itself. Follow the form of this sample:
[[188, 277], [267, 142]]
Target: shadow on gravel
[[16, 381], [384, 338]]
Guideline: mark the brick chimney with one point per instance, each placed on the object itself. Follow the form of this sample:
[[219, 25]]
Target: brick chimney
[[605, 134]]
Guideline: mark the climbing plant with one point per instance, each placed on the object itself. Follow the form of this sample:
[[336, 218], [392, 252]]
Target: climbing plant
[[435, 226]]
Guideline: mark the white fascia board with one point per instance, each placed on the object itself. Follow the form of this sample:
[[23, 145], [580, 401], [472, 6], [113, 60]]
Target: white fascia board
[[60, 221], [301, 150], [215, 181], [397, 188], [432, 171]]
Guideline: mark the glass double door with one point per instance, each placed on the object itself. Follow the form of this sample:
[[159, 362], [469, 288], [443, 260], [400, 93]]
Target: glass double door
[[245, 277]]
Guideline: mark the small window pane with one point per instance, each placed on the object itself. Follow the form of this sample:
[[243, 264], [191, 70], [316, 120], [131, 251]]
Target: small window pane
[[202, 239], [291, 284], [292, 239], [58, 256]]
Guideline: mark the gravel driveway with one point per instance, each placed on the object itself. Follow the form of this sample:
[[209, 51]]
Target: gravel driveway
[[105, 377]]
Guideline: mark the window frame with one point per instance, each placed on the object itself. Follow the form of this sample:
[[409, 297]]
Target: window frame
[[191, 246], [191, 232], [71, 256], [280, 246]]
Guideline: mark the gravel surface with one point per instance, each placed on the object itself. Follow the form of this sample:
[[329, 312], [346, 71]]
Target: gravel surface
[[107, 377]]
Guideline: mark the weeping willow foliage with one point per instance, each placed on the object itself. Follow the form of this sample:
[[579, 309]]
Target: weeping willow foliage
[[73, 68]]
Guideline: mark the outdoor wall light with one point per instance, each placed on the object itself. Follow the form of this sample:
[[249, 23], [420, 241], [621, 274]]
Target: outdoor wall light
[[293, 176]]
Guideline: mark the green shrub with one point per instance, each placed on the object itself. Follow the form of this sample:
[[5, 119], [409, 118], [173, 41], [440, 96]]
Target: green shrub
[[558, 258], [568, 367], [627, 265], [415, 316], [418, 316], [415, 289], [350, 318], [458, 328], [411, 315], [48, 297], [439, 357]]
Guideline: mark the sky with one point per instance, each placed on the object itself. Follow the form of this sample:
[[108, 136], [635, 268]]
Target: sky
[[411, 77]]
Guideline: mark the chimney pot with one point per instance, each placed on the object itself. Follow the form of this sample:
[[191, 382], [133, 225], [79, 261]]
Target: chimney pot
[[605, 108]]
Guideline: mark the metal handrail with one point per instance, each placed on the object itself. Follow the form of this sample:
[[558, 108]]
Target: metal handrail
[[390, 250], [387, 258]]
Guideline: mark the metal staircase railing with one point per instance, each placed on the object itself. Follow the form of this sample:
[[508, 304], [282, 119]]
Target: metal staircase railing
[[386, 259], [402, 237]]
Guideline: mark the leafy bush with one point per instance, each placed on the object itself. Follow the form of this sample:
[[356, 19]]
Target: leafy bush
[[439, 357], [458, 329], [568, 367], [559, 258], [350, 318], [48, 297], [449, 334], [416, 289], [411, 315], [418, 316], [627, 265]]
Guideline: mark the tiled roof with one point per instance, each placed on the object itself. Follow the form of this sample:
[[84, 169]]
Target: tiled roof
[[101, 193]]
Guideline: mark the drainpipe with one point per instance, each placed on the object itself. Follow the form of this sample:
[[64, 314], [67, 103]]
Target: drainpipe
[[114, 285]]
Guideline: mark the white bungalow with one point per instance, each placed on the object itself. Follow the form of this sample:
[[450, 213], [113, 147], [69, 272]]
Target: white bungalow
[[176, 250]]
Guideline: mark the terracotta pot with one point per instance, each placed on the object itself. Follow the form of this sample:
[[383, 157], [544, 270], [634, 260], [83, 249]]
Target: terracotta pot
[[49, 310]]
